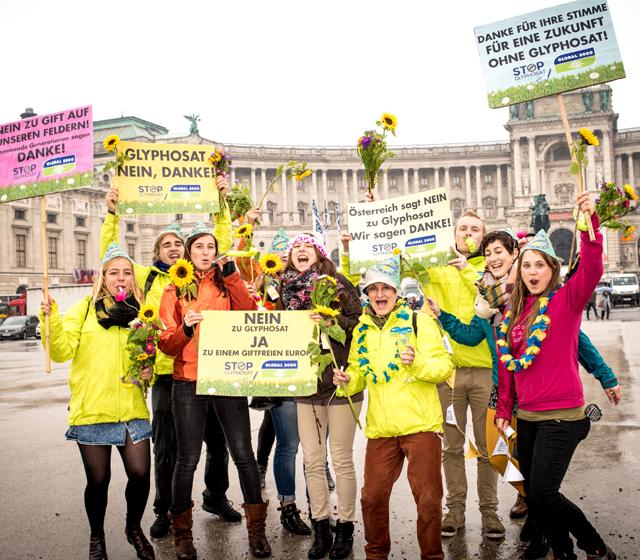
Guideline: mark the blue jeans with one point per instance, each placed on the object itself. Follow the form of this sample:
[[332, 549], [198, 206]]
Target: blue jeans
[[285, 423], [545, 450], [190, 413]]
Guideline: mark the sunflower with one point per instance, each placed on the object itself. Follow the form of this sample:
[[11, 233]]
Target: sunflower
[[214, 158], [111, 142], [324, 310], [631, 192], [389, 121], [244, 232], [397, 251], [589, 137], [181, 273], [271, 264], [147, 313], [142, 357], [300, 176]]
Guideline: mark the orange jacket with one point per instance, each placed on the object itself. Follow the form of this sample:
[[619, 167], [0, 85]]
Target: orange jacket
[[174, 341]]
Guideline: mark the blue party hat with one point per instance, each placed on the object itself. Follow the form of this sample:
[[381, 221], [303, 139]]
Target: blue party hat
[[387, 272], [114, 251], [541, 242]]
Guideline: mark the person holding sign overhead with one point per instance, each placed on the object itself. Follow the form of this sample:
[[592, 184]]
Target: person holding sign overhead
[[206, 282], [399, 356], [538, 347], [103, 410], [152, 280]]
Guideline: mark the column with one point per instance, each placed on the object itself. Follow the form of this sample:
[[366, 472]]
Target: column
[[619, 178], [294, 202], [467, 187], [253, 183], [344, 192], [517, 167], [533, 172], [233, 176], [324, 191], [499, 181], [284, 203], [354, 187], [436, 177], [632, 179], [416, 179], [509, 197], [478, 191], [314, 186], [263, 212], [447, 179], [405, 179], [606, 155], [385, 183]]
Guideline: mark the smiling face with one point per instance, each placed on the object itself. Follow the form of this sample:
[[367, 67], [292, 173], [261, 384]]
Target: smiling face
[[382, 297], [536, 271], [203, 251], [118, 275], [498, 259], [170, 249], [468, 226], [303, 256]]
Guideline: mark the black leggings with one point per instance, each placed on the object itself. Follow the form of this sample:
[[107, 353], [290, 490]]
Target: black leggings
[[97, 467]]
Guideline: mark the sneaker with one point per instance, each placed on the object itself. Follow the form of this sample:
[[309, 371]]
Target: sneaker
[[492, 527], [262, 469], [606, 554], [223, 508], [160, 527], [451, 522]]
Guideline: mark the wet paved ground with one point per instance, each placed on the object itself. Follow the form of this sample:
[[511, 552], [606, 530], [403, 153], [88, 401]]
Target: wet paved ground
[[42, 481]]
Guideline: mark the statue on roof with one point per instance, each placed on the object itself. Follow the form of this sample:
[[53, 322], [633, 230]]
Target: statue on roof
[[193, 119]]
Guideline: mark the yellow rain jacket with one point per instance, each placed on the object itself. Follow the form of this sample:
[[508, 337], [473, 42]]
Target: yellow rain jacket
[[99, 361], [110, 234], [403, 401]]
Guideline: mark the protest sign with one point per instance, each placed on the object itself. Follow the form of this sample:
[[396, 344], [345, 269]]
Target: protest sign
[[255, 353], [418, 224], [166, 179], [549, 51], [46, 154]]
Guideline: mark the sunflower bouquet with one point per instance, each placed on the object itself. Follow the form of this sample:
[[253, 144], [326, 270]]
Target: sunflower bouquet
[[325, 294], [613, 204], [142, 345], [182, 274], [271, 265], [373, 150], [221, 163], [110, 144]]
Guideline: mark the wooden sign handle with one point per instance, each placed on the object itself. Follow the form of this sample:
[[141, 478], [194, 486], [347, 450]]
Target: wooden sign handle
[[45, 282]]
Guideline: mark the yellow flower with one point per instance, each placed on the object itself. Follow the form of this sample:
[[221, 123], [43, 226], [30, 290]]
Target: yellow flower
[[324, 310], [271, 264], [389, 121], [111, 142], [147, 313], [214, 158], [397, 251], [332, 280], [244, 232], [631, 192], [181, 273], [142, 357], [589, 137], [300, 176], [471, 245]]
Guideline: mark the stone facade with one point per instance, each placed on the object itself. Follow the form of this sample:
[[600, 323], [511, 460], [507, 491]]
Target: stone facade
[[496, 179]]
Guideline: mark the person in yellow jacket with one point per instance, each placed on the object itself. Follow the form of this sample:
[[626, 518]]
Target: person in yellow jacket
[[399, 357], [152, 280], [453, 287], [103, 410]]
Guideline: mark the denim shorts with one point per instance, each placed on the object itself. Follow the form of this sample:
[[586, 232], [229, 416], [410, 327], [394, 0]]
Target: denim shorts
[[110, 433]]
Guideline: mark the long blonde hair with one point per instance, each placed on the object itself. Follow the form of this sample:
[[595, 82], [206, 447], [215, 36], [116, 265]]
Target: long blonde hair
[[99, 289], [520, 293]]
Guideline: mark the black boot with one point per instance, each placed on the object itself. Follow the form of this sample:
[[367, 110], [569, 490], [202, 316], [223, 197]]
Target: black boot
[[97, 549], [219, 505], [537, 549], [136, 537], [290, 519], [322, 539], [344, 540], [161, 526]]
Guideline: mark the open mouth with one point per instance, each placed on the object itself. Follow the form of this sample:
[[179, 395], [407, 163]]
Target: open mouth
[[534, 282], [303, 259]]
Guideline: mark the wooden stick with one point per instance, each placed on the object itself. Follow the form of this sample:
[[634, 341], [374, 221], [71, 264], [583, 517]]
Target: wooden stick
[[45, 281], [579, 182]]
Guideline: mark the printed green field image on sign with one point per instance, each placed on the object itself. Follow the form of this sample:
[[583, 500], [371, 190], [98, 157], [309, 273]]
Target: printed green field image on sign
[[58, 166], [574, 60]]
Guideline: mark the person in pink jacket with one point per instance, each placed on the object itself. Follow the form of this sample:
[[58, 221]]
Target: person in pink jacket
[[538, 363]]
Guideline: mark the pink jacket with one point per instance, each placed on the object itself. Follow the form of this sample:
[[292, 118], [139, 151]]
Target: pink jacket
[[552, 381]]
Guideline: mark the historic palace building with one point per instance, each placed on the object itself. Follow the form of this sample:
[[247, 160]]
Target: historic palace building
[[497, 179]]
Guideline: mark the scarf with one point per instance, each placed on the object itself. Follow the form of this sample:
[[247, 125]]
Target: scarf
[[162, 266], [493, 296], [110, 312], [296, 289]]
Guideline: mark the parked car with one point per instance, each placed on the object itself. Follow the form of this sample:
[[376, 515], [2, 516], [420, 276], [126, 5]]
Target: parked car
[[19, 326], [38, 326], [625, 289]]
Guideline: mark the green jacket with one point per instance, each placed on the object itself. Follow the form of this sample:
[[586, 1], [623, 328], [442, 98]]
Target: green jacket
[[110, 234], [403, 399], [99, 361], [455, 291]]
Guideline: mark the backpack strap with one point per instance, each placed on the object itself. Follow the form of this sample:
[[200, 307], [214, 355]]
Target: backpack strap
[[414, 323], [150, 278]]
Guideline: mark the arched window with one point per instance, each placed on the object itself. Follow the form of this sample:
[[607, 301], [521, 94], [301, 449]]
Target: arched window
[[560, 153], [561, 240]]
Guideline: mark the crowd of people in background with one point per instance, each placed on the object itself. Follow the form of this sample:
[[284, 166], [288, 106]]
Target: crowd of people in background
[[494, 334]]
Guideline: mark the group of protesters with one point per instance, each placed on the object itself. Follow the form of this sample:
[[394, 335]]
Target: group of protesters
[[499, 333]]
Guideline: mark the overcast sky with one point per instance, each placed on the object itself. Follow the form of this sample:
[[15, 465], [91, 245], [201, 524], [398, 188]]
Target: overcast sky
[[275, 72]]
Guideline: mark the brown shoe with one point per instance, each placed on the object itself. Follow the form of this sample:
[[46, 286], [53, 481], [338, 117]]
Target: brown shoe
[[136, 537], [519, 509], [452, 521], [181, 525], [256, 517], [492, 527]]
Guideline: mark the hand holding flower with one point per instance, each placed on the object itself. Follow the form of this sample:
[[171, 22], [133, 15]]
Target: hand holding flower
[[340, 378], [146, 373], [408, 355]]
